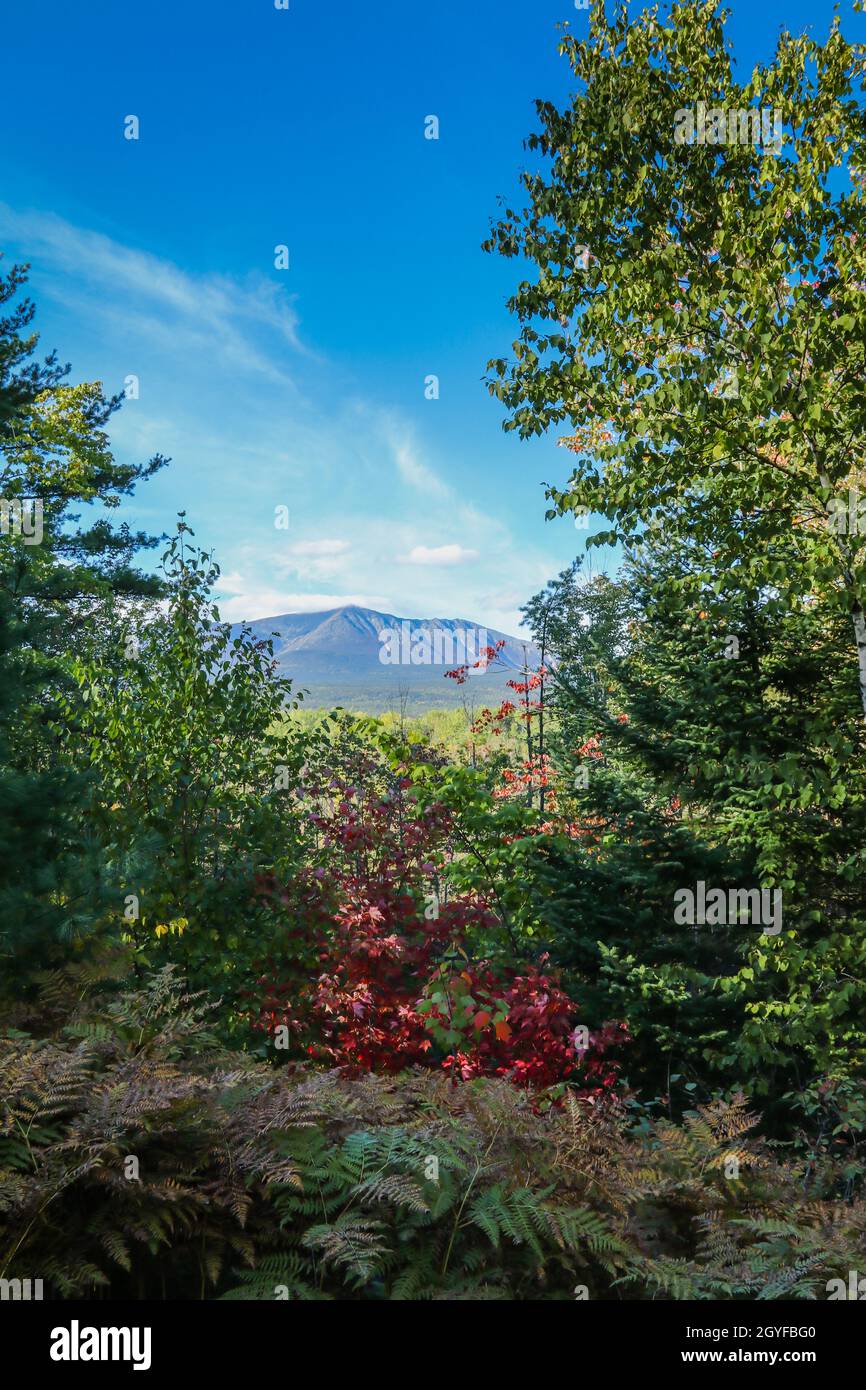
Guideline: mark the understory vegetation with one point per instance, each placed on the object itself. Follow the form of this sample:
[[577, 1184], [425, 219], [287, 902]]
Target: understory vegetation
[[288, 1182]]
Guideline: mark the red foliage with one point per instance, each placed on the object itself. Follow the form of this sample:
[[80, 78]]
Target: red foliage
[[537, 1042], [488, 654], [492, 719], [535, 774], [395, 984], [535, 681]]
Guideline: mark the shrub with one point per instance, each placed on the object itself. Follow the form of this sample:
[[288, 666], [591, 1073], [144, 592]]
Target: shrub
[[407, 978]]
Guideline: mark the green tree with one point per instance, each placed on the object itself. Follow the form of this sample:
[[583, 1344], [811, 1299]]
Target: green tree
[[696, 313], [54, 457], [195, 769], [705, 732], [547, 614]]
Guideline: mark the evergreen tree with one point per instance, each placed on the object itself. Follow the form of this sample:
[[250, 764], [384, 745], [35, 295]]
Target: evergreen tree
[[54, 457], [702, 739]]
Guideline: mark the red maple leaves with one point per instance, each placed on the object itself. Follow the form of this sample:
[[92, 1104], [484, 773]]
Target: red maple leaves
[[460, 674], [396, 984]]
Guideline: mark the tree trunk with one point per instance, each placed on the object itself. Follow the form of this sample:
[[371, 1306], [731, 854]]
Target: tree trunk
[[527, 717], [860, 637], [541, 718]]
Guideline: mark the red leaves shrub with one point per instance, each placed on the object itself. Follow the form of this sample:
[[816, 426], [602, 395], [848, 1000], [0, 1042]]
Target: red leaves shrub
[[525, 1028], [363, 1005], [393, 983]]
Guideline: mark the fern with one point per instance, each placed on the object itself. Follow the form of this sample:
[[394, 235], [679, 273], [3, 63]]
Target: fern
[[258, 1182]]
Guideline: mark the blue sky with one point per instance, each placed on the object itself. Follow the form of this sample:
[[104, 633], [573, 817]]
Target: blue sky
[[303, 388]]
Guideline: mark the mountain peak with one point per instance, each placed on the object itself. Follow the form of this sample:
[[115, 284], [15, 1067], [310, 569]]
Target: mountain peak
[[340, 656]]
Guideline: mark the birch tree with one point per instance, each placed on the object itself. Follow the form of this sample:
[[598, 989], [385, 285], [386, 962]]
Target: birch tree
[[694, 314]]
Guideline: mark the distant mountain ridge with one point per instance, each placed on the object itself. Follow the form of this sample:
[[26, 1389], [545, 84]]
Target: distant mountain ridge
[[366, 660]]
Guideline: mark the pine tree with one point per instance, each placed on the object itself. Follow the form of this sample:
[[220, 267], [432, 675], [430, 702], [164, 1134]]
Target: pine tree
[[54, 455], [721, 745]]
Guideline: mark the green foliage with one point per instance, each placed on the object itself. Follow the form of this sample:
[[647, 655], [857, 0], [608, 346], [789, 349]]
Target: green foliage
[[194, 772], [54, 455], [448, 735], [719, 744], [706, 355], [709, 352]]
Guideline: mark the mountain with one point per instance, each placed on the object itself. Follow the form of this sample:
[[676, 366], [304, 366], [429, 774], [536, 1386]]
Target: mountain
[[365, 660]]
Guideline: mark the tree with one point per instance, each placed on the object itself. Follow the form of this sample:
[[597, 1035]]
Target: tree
[[547, 615], [195, 771], [54, 455], [697, 315], [719, 745]]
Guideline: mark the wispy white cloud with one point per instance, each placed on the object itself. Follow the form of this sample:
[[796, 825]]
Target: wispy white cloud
[[410, 467], [245, 601], [445, 555], [315, 561], [322, 547], [155, 298]]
